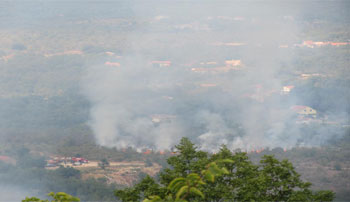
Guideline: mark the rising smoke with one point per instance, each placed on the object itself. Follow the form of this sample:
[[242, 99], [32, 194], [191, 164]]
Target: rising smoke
[[142, 104]]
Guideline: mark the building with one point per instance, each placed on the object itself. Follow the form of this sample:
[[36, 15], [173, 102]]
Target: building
[[112, 64], [304, 111], [158, 118], [158, 63], [7, 159], [339, 43], [233, 63], [69, 52], [79, 160], [287, 89]]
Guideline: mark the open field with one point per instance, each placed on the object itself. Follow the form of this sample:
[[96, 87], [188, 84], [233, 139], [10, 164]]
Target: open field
[[124, 173]]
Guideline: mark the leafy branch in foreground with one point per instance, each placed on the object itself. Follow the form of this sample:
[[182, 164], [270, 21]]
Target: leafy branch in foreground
[[57, 197], [184, 187]]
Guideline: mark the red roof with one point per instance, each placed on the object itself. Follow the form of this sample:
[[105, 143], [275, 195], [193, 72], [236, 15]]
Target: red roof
[[161, 62], [7, 159], [339, 43], [147, 152], [308, 42], [299, 107]]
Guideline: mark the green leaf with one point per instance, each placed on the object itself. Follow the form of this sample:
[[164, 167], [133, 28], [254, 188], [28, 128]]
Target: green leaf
[[224, 171], [196, 191], [33, 199], [225, 161], [208, 176], [181, 191], [153, 199], [193, 177], [201, 182], [214, 169], [177, 183]]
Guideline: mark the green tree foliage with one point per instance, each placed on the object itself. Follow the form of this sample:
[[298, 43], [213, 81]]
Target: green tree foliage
[[57, 197], [195, 175], [68, 172], [103, 163], [185, 187], [147, 187], [26, 160]]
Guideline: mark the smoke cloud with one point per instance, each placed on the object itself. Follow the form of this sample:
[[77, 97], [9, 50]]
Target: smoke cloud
[[213, 72]]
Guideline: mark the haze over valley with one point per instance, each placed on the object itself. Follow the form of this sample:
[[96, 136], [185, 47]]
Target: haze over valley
[[126, 80]]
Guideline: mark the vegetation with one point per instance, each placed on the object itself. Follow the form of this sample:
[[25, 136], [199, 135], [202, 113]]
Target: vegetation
[[192, 173], [103, 163], [43, 110], [57, 197]]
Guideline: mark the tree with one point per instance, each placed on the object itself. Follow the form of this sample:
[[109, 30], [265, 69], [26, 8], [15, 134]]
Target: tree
[[103, 163], [57, 197], [68, 172], [191, 175]]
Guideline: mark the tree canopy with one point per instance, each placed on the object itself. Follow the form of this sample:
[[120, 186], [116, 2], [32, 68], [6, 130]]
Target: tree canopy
[[190, 177]]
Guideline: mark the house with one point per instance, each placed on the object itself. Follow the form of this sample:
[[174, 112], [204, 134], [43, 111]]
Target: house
[[77, 163], [309, 44], [214, 69], [7, 57], [234, 44], [339, 43], [112, 64], [233, 63], [69, 52], [304, 111], [307, 76], [321, 43], [79, 160], [312, 44], [286, 90], [208, 85], [148, 151], [109, 53], [208, 68], [157, 118], [7, 159], [167, 97], [208, 63], [52, 163], [158, 63]]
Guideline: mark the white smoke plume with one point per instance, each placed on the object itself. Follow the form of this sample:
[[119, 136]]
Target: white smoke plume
[[140, 104]]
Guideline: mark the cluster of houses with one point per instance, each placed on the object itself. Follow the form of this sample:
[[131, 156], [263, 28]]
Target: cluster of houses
[[212, 67], [304, 113], [312, 44], [68, 52], [74, 161], [308, 44]]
